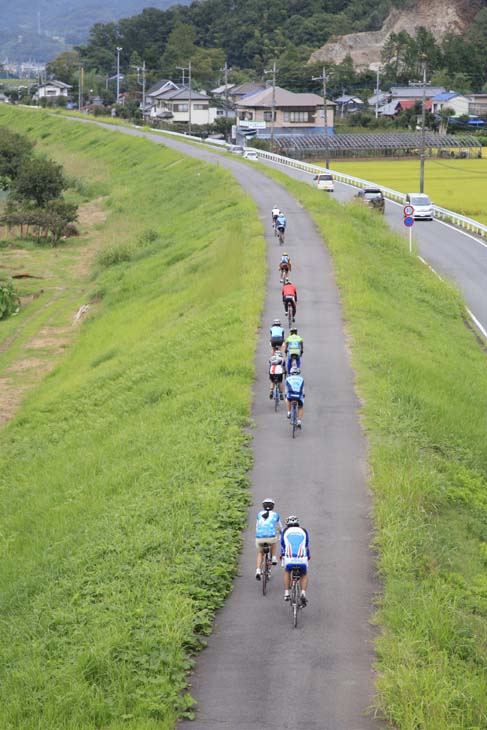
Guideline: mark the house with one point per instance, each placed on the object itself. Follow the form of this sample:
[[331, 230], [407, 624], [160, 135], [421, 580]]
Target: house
[[414, 93], [222, 90], [293, 112], [52, 90], [177, 103], [379, 99], [477, 106], [349, 104], [450, 100], [241, 90], [393, 108]]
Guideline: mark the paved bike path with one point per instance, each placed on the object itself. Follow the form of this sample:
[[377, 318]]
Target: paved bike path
[[257, 672]]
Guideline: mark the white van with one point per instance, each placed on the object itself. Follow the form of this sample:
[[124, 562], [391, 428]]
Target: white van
[[250, 154], [324, 181]]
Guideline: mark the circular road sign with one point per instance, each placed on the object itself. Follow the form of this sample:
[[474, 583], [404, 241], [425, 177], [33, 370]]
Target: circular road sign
[[408, 210], [409, 221]]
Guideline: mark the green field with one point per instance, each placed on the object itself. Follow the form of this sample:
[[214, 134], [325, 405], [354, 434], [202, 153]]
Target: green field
[[420, 373], [119, 463], [458, 185]]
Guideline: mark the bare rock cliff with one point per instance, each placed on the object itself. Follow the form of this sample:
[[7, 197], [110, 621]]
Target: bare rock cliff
[[439, 16]]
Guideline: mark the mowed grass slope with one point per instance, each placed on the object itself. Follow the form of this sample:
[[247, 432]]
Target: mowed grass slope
[[458, 185], [123, 481], [421, 375]]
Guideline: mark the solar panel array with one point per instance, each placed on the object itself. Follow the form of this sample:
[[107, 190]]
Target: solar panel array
[[363, 142]]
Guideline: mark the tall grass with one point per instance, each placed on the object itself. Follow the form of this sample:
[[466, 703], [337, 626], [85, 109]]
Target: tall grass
[[421, 375], [123, 480]]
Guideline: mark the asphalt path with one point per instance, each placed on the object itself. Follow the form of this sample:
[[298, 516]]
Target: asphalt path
[[258, 672], [458, 255]]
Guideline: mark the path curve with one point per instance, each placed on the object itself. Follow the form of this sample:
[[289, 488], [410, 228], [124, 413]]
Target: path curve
[[257, 672]]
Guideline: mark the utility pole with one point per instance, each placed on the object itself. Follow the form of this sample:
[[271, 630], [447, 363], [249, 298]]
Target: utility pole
[[118, 73], [141, 83], [273, 71], [227, 134], [188, 69], [325, 116], [377, 93], [80, 86], [423, 129]]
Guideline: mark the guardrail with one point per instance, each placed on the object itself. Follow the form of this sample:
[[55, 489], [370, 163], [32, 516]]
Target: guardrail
[[443, 214]]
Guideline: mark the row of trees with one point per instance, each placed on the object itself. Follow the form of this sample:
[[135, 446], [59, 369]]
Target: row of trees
[[35, 186]]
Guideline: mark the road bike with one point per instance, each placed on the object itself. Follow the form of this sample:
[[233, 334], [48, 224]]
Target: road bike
[[294, 417], [266, 566], [281, 233], [276, 395], [290, 312], [295, 594]]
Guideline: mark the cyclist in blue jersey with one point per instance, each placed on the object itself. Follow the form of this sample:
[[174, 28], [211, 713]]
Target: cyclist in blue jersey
[[295, 554], [267, 529], [295, 392], [277, 335], [281, 221]]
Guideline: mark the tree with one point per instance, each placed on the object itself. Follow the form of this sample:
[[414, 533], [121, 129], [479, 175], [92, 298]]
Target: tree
[[65, 67], [39, 180], [14, 150]]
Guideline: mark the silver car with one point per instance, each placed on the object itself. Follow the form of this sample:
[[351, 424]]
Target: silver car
[[423, 207]]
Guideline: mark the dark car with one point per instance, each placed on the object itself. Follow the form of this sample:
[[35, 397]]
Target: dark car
[[373, 197]]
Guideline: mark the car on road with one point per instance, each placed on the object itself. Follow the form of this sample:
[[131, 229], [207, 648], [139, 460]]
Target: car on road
[[235, 149], [423, 207], [250, 154], [373, 197], [324, 181]]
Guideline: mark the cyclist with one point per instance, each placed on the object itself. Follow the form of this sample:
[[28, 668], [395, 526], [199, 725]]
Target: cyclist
[[284, 266], [275, 212], [267, 527], [281, 223], [289, 296], [295, 553], [294, 348], [295, 392], [277, 335], [277, 369]]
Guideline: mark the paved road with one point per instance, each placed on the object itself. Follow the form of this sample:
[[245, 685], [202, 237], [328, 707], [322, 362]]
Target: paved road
[[460, 256], [257, 672]]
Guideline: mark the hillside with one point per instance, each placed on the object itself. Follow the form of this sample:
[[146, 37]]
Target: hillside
[[438, 16]]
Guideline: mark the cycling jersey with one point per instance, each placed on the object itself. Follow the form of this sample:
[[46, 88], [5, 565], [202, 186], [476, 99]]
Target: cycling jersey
[[286, 260], [281, 221], [276, 365], [289, 290], [294, 345], [277, 333], [275, 212], [295, 388], [267, 527], [295, 547]]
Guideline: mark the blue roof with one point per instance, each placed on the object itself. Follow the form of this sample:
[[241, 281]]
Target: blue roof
[[446, 96]]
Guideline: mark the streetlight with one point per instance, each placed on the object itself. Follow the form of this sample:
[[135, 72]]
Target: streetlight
[[273, 71], [118, 72], [423, 127]]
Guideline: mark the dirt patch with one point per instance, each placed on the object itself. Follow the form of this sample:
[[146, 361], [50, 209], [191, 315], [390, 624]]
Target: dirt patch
[[90, 214], [28, 364]]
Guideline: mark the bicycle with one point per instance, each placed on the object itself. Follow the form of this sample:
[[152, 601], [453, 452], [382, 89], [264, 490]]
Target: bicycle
[[283, 273], [266, 566], [290, 312], [294, 417], [295, 594], [280, 234]]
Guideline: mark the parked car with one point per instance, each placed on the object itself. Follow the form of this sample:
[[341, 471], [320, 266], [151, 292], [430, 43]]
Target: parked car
[[324, 181], [423, 207], [235, 149], [250, 155], [372, 197]]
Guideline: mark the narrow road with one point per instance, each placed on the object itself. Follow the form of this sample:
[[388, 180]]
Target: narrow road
[[258, 673]]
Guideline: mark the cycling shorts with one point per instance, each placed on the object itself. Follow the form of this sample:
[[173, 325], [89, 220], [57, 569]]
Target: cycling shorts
[[302, 566], [261, 541], [276, 377], [294, 399], [276, 341]]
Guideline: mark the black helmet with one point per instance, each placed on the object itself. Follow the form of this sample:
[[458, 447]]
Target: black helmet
[[268, 503], [292, 521]]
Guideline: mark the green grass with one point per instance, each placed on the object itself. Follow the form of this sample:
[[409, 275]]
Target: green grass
[[458, 185], [115, 548], [421, 376]]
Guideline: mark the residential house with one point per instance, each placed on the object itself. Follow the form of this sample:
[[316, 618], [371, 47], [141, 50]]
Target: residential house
[[180, 104], [379, 99], [477, 106], [393, 108], [248, 87], [52, 90], [293, 112], [414, 93], [222, 90], [348, 104], [450, 100]]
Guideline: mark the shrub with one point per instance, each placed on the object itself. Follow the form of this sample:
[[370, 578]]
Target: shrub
[[9, 301], [112, 255]]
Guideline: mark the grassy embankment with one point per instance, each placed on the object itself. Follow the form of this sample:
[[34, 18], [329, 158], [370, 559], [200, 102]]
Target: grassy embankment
[[123, 480], [421, 375], [455, 184]]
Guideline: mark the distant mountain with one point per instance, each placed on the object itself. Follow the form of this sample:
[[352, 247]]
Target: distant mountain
[[41, 29]]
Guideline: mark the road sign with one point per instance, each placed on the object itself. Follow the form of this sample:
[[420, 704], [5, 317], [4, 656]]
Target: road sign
[[408, 210], [409, 221]]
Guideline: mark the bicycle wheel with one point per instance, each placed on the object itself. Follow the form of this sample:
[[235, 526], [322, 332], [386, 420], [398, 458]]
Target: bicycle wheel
[[294, 602], [289, 315], [276, 397], [265, 570], [294, 418]]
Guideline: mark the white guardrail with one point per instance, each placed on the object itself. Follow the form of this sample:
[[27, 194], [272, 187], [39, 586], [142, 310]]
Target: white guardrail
[[443, 214]]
